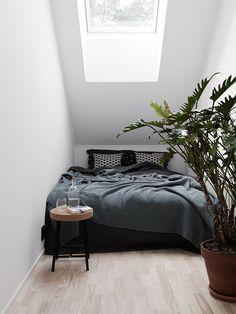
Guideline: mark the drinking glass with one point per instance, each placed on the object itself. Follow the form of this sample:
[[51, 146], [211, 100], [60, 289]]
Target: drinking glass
[[61, 204]]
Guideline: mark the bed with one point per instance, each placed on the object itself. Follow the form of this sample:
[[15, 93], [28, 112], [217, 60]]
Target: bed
[[136, 206]]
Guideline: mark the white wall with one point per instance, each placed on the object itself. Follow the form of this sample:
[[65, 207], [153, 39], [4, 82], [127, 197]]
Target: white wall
[[222, 49], [101, 110], [35, 135]]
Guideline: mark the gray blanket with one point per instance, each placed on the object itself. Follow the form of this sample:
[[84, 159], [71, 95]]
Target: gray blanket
[[142, 198]]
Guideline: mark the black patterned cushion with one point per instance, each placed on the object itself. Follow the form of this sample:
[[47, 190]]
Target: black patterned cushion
[[122, 157], [154, 157], [107, 160]]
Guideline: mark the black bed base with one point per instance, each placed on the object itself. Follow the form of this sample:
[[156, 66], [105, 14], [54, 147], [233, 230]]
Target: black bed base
[[109, 239]]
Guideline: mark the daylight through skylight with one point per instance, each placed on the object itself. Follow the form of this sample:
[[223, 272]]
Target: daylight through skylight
[[121, 15]]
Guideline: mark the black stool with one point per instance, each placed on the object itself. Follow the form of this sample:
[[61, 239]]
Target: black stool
[[63, 216]]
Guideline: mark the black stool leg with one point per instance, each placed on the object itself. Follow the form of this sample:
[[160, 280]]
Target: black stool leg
[[56, 245], [86, 244]]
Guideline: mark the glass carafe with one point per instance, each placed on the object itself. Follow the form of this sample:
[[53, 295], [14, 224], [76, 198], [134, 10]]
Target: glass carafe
[[73, 195]]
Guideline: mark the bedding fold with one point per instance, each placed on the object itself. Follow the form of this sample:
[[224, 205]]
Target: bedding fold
[[141, 197]]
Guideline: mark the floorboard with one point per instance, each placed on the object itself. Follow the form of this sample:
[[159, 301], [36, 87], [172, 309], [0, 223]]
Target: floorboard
[[140, 282]]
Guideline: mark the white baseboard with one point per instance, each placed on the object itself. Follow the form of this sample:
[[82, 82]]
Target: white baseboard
[[21, 284]]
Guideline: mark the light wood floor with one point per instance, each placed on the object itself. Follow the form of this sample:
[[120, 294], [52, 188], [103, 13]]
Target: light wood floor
[[146, 282]]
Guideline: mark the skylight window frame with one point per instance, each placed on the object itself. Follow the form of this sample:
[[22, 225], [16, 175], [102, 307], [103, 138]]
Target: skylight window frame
[[119, 30]]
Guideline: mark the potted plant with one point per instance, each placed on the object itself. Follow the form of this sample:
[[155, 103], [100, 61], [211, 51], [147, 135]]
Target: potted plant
[[206, 140]]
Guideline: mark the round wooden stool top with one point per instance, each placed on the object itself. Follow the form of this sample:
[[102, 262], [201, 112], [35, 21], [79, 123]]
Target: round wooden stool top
[[59, 215]]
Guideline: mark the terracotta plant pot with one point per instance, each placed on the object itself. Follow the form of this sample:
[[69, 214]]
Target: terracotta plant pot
[[221, 270]]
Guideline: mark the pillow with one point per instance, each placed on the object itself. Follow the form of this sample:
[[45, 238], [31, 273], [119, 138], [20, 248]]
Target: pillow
[[128, 158], [154, 157], [109, 158]]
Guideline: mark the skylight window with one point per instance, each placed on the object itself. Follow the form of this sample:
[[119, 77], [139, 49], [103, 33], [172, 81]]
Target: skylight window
[[121, 39], [121, 15]]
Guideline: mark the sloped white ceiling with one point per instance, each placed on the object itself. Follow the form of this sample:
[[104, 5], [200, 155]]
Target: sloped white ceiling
[[100, 110]]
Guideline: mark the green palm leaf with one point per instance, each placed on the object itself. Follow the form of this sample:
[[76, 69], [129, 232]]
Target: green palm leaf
[[194, 98], [163, 111], [226, 106], [140, 124], [219, 91], [133, 126]]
